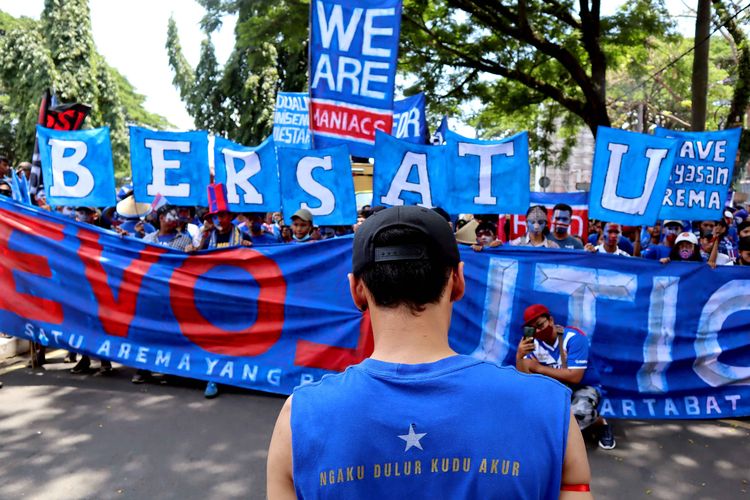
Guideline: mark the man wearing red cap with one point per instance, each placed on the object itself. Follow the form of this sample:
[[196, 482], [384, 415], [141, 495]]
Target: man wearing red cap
[[562, 353]]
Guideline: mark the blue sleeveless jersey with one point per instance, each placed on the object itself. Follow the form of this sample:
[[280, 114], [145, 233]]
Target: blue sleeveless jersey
[[456, 428]]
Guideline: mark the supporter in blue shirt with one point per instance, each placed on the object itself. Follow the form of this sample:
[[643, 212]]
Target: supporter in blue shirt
[[623, 243], [657, 252]]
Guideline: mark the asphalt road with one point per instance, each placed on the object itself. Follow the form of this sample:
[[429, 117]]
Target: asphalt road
[[65, 436]]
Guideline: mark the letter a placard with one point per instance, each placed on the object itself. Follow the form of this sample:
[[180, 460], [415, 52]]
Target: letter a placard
[[629, 176]]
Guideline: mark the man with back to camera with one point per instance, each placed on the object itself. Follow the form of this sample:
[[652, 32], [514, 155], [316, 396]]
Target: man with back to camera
[[417, 420]]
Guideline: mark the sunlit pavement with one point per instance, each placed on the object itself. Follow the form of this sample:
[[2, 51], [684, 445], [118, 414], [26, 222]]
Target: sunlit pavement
[[92, 436]]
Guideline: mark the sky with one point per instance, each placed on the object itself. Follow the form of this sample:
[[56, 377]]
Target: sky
[[132, 36]]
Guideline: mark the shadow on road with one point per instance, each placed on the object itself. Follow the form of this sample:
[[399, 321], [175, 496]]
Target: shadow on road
[[66, 436]]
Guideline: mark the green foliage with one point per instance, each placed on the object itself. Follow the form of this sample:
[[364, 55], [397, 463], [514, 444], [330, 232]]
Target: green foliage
[[521, 54], [58, 52], [270, 54]]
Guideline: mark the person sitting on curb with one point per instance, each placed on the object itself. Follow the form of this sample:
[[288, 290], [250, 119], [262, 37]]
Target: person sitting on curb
[[562, 353]]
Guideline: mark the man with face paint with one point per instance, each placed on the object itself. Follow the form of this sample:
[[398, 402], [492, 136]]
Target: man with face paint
[[302, 226], [536, 223], [612, 233], [671, 228], [168, 236], [562, 353], [562, 216], [486, 236]]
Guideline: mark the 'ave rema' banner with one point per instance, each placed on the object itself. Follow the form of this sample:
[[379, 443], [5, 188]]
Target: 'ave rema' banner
[[668, 341]]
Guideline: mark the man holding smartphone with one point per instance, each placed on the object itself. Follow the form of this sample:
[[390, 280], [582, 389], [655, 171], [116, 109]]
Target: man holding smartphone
[[562, 353]]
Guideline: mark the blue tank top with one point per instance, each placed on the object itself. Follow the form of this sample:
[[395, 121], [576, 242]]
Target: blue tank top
[[456, 428]]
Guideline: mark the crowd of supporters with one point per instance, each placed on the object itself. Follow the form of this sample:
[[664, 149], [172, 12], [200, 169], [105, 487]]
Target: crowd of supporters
[[190, 229]]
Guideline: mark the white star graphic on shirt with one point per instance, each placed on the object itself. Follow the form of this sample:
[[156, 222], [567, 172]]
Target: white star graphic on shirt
[[412, 439]]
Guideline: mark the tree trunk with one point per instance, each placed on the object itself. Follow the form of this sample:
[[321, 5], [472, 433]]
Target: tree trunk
[[700, 65]]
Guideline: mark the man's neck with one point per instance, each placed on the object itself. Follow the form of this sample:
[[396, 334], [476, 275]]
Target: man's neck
[[560, 236], [402, 337], [610, 248]]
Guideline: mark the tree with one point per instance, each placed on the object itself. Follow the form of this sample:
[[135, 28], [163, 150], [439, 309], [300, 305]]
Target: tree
[[58, 52], [700, 65], [525, 53], [270, 54]]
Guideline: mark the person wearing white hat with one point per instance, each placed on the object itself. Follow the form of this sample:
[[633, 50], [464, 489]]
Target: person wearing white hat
[[131, 214], [685, 249]]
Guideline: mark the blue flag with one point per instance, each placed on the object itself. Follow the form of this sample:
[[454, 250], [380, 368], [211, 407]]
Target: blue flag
[[353, 53], [321, 181], [172, 164], [487, 176], [407, 174], [701, 175], [77, 167], [438, 137], [249, 174], [629, 176], [291, 120], [409, 119], [20, 188]]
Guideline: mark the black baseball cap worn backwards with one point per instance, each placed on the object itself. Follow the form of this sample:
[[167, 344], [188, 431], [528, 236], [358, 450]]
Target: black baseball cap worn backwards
[[422, 219]]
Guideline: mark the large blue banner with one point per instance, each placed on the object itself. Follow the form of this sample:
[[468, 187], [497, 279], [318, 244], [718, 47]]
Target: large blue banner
[[701, 175], [629, 176], [291, 120], [408, 174], [320, 181], [250, 175], [77, 167], [353, 53], [668, 341], [172, 164], [487, 176], [409, 119]]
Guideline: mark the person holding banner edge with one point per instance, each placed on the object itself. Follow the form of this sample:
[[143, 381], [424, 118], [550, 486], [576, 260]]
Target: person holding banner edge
[[416, 419]]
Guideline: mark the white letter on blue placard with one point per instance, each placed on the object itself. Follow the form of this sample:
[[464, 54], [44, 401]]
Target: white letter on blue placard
[[312, 187], [61, 164], [485, 152], [657, 350], [371, 31], [498, 309], [584, 286], [336, 23], [160, 165], [633, 206], [400, 182], [235, 179], [731, 298]]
